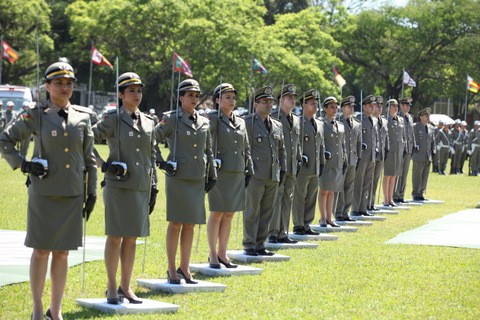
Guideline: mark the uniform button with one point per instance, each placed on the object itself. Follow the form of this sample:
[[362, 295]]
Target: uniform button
[[194, 145], [136, 163], [195, 157], [194, 133], [235, 152], [67, 166], [65, 134], [258, 158], [235, 141], [138, 149], [66, 149], [138, 136]]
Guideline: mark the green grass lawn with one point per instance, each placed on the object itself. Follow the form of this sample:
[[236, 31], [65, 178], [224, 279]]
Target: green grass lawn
[[356, 277]]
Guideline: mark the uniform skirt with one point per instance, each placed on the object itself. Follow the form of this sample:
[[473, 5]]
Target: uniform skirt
[[185, 200], [393, 164], [126, 212], [228, 195], [54, 223], [332, 179]]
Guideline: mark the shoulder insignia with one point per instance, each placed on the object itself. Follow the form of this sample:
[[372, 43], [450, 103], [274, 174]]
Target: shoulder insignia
[[81, 109]]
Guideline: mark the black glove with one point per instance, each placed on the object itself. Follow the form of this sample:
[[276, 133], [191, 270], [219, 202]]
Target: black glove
[[89, 205], [344, 168], [34, 168], [153, 199], [167, 168], [364, 146], [321, 170], [210, 184], [115, 169], [328, 155], [248, 177], [282, 176]]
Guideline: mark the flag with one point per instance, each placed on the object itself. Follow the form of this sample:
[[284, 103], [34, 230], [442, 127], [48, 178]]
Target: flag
[[338, 78], [99, 59], [9, 53], [408, 80], [258, 67], [472, 86], [181, 65]]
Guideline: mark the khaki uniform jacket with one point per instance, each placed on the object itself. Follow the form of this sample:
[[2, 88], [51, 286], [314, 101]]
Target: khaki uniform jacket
[[396, 134], [425, 141], [384, 140], [291, 139], [313, 147], [334, 135], [69, 150], [443, 139], [353, 139], [232, 147], [369, 137], [268, 149], [190, 144], [409, 135], [137, 148]]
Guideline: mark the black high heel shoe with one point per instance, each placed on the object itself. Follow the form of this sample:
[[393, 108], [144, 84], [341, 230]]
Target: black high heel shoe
[[172, 281], [130, 299], [117, 300], [187, 280], [213, 265], [48, 315], [227, 264]]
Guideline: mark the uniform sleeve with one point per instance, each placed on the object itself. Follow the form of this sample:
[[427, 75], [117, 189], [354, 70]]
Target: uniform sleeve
[[248, 156], [212, 171], [105, 128], [282, 152], [89, 158], [162, 131], [153, 150]]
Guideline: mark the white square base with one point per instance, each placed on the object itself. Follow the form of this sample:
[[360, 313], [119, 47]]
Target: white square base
[[163, 285], [298, 245], [316, 227], [399, 207], [381, 211], [203, 268], [412, 203], [308, 237], [372, 218], [429, 201], [239, 255], [148, 306], [354, 223]]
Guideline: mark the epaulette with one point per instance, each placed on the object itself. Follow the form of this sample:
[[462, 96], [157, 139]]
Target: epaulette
[[81, 109]]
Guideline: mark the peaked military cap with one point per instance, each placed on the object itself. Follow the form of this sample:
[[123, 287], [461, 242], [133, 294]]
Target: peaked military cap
[[392, 102], [59, 70], [369, 99], [309, 94], [348, 100], [189, 85], [264, 92], [405, 101], [329, 100], [286, 90], [222, 88], [379, 99], [424, 112], [128, 78]]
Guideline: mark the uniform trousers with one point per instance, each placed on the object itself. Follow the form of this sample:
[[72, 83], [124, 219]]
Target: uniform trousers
[[344, 199], [282, 208], [377, 171], [442, 156], [362, 185], [261, 194], [401, 181], [305, 200], [475, 159], [420, 173], [457, 157]]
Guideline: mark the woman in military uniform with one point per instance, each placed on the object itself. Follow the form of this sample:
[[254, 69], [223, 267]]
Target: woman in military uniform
[[189, 141], [63, 153], [231, 150], [129, 182]]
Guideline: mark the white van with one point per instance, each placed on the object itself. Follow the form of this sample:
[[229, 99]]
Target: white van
[[17, 94]]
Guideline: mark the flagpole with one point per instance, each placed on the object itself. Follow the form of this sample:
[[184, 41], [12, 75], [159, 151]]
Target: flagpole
[[1, 57], [403, 75], [90, 77], [173, 78], [250, 106], [466, 102]]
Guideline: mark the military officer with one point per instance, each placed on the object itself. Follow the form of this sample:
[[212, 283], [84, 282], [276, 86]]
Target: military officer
[[269, 165], [474, 148], [190, 163], [63, 152], [464, 127], [312, 143], [401, 182], [457, 144], [383, 148], [3, 123], [353, 147], [422, 155], [364, 173], [443, 140], [336, 162], [278, 227], [437, 129], [10, 115]]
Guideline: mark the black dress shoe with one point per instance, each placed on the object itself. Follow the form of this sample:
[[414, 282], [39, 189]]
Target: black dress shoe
[[311, 232], [130, 299], [374, 208], [323, 225], [299, 230], [250, 252], [347, 218], [263, 252], [187, 280], [356, 214], [272, 239], [172, 281], [393, 205], [365, 214], [286, 240], [416, 198], [333, 224], [402, 201], [228, 265], [339, 219]]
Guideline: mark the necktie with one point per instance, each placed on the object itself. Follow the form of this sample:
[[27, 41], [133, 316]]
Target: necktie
[[268, 125], [406, 119], [380, 123], [314, 124], [134, 116], [193, 118], [232, 119], [426, 129], [289, 118], [350, 123], [63, 114]]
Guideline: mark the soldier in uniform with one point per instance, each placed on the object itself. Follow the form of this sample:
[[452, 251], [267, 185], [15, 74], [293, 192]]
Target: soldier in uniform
[[474, 148], [383, 148], [191, 159], [437, 129], [312, 143], [443, 140], [353, 147], [393, 159], [457, 144], [63, 152], [422, 156], [23, 146], [3, 124], [130, 182], [269, 164], [10, 115], [336, 162], [154, 116], [401, 183], [278, 227], [231, 150], [464, 127], [364, 173]]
